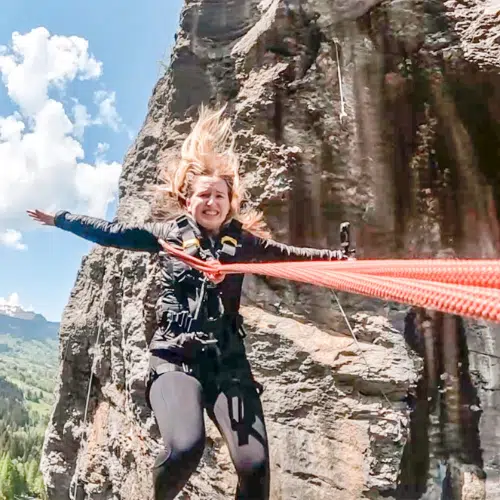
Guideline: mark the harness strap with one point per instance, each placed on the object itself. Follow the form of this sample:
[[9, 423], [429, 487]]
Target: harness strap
[[228, 245], [190, 238], [191, 234], [195, 320], [229, 241]]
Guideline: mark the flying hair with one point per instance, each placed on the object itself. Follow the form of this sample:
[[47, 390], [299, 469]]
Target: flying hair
[[208, 150]]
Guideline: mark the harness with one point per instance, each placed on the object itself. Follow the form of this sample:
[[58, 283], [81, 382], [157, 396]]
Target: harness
[[190, 235], [206, 321]]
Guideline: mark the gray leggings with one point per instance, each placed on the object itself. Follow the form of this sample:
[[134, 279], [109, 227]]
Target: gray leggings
[[177, 400]]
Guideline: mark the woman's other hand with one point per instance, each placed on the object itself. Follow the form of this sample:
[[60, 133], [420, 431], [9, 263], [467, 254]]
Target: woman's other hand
[[215, 277], [43, 218]]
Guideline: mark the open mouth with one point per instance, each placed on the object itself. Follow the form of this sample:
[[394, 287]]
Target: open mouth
[[211, 213]]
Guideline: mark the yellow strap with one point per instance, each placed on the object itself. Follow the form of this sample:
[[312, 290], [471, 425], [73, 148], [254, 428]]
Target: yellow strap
[[231, 240], [191, 242]]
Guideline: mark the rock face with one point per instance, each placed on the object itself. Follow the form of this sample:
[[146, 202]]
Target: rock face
[[382, 113]]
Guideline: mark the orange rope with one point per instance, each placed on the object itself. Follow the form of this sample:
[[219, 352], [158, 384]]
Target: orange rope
[[464, 287], [484, 273]]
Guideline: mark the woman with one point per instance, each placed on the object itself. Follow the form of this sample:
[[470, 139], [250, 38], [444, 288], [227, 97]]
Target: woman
[[197, 354]]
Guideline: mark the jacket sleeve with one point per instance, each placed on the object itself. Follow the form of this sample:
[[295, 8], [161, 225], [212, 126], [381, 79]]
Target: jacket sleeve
[[264, 250], [110, 234]]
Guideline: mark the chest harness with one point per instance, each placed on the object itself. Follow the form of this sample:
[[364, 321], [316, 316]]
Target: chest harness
[[204, 320]]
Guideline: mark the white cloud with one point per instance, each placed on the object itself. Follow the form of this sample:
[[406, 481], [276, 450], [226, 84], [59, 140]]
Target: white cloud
[[82, 120], [37, 60], [102, 147], [100, 152], [107, 112], [97, 186], [13, 302], [42, 159], [13, 239]]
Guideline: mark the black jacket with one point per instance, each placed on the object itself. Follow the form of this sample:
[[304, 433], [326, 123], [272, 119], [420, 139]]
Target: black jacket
[[181, 284]]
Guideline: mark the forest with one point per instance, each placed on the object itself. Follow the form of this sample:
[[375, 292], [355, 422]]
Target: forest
[[21, 439], [27, 373]]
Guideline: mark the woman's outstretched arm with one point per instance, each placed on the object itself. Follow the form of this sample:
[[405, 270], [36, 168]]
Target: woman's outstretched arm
[[110, 234], [265, 250]]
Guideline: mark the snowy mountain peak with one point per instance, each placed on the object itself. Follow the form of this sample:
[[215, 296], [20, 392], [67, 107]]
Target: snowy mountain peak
[[12, 307]]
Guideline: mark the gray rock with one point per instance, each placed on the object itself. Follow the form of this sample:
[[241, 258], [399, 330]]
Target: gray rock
[[382, 113]]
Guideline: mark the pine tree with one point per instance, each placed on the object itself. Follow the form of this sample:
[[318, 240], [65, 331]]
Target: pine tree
[[39, 488], [6, 476], [15, 447], [18, 483], [31, 473]]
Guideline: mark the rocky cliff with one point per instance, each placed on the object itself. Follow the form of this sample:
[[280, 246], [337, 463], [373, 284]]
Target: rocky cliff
[[382, 113]]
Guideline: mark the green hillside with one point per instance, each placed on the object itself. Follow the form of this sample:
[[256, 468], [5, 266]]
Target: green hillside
[[32, 366], [28, 368]]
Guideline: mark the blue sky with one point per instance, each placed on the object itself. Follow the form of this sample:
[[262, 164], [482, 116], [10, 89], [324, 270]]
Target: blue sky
[[60, 97]]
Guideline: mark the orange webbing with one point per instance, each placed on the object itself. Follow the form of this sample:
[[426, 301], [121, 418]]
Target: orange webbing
[[464, 287], [484, 273]]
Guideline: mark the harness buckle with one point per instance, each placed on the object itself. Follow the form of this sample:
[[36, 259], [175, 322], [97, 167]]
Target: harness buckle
[[229, 245], [191, 242], [229, 239]]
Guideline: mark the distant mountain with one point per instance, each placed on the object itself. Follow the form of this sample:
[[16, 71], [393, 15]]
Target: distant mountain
[[26, 325], [11, 309], [29, 350]]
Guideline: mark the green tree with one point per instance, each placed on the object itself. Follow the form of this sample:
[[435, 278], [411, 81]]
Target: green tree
[[4, 472], [18, 481], [31, 473], [11, 480], [38, 488]]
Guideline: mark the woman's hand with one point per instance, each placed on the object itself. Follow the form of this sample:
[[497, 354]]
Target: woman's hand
[[215, 277], [43, 218]]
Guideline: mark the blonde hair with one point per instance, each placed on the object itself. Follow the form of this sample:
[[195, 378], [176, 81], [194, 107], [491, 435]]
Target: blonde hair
[[209, 150]]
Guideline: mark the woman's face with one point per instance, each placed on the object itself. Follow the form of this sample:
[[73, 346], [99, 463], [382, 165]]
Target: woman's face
[[209, 204]]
